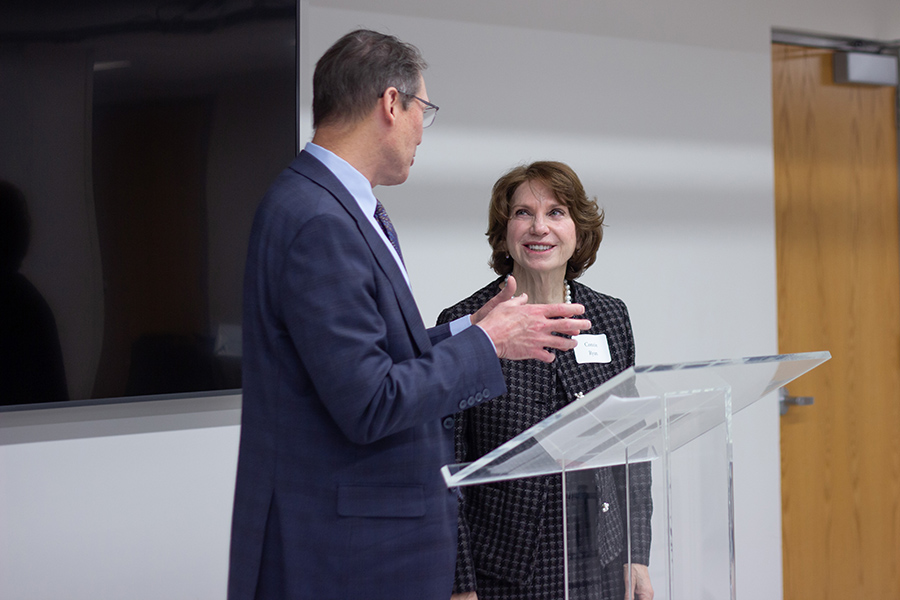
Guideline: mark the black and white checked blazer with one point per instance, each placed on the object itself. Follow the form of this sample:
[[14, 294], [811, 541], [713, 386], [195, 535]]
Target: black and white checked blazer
[[511, 531]]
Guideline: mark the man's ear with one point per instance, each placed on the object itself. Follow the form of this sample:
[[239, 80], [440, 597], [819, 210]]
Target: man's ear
[[389, 103]]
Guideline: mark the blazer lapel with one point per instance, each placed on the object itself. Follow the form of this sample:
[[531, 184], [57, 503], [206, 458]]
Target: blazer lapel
[[307, 165]]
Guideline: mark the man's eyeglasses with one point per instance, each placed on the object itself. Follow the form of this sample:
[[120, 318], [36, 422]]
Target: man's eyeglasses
[[428, 114], [430, 109]]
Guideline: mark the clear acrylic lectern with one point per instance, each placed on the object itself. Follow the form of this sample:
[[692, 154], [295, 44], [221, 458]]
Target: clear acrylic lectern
[[671, 420]]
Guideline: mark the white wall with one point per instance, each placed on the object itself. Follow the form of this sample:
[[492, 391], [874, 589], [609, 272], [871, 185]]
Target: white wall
[[664, 109], [118, 501]]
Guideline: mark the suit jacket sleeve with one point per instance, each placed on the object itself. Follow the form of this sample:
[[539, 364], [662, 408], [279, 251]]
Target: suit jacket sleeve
[[439, 333]]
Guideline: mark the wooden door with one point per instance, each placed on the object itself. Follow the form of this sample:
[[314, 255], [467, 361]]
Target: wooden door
[[838, 290]]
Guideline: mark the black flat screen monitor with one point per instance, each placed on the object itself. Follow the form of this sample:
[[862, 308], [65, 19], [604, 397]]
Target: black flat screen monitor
[[136, 140]]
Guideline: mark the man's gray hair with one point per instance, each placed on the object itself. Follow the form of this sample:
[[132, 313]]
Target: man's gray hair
[[357, 69]]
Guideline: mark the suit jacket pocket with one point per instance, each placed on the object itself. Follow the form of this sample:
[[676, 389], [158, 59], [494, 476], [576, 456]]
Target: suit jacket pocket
[[506, 523], [394, 501]]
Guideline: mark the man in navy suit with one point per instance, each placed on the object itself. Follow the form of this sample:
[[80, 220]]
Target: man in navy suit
[[348, 399]]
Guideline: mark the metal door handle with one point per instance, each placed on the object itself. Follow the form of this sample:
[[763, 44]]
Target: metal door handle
[[785, 401]]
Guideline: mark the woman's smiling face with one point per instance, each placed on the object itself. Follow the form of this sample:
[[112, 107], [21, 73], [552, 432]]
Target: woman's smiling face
[[540, 233]]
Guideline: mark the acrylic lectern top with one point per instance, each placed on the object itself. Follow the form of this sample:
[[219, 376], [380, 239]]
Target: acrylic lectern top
[[636, 416]]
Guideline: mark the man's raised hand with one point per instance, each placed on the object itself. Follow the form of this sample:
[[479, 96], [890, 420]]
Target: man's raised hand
[[520, 330]]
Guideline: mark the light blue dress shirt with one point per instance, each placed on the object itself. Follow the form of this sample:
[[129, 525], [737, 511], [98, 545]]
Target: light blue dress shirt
[[361, 190]]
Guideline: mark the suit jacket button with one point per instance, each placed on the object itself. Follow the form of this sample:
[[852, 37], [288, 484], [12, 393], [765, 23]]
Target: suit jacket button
[[449, 422], [463, 405], [485, 393]]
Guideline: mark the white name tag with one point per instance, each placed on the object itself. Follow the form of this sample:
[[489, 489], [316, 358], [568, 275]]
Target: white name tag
[[592, 348]]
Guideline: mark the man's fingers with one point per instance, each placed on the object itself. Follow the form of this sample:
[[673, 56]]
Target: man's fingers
[[518, 300], [562, 310], [560, 343], [570, 326], [520, 330], [502, 296], [510, 289], [544, 356]]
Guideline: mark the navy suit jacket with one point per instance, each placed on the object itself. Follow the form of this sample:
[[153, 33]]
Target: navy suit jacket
[[347, 409]]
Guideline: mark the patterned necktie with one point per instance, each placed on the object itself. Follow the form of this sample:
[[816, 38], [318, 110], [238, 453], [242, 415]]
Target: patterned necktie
[[388, 227]]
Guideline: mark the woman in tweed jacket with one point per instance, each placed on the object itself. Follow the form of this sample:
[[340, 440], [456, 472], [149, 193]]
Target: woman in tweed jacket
[[545, 232]]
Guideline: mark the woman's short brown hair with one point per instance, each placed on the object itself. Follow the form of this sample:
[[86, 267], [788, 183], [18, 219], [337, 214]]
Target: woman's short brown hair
[[566, 187]]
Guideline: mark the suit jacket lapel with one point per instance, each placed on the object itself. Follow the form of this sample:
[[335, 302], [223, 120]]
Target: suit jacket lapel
[[307, 165]]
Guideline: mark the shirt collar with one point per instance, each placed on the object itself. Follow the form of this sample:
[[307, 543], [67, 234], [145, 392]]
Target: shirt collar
[[355, 182]]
